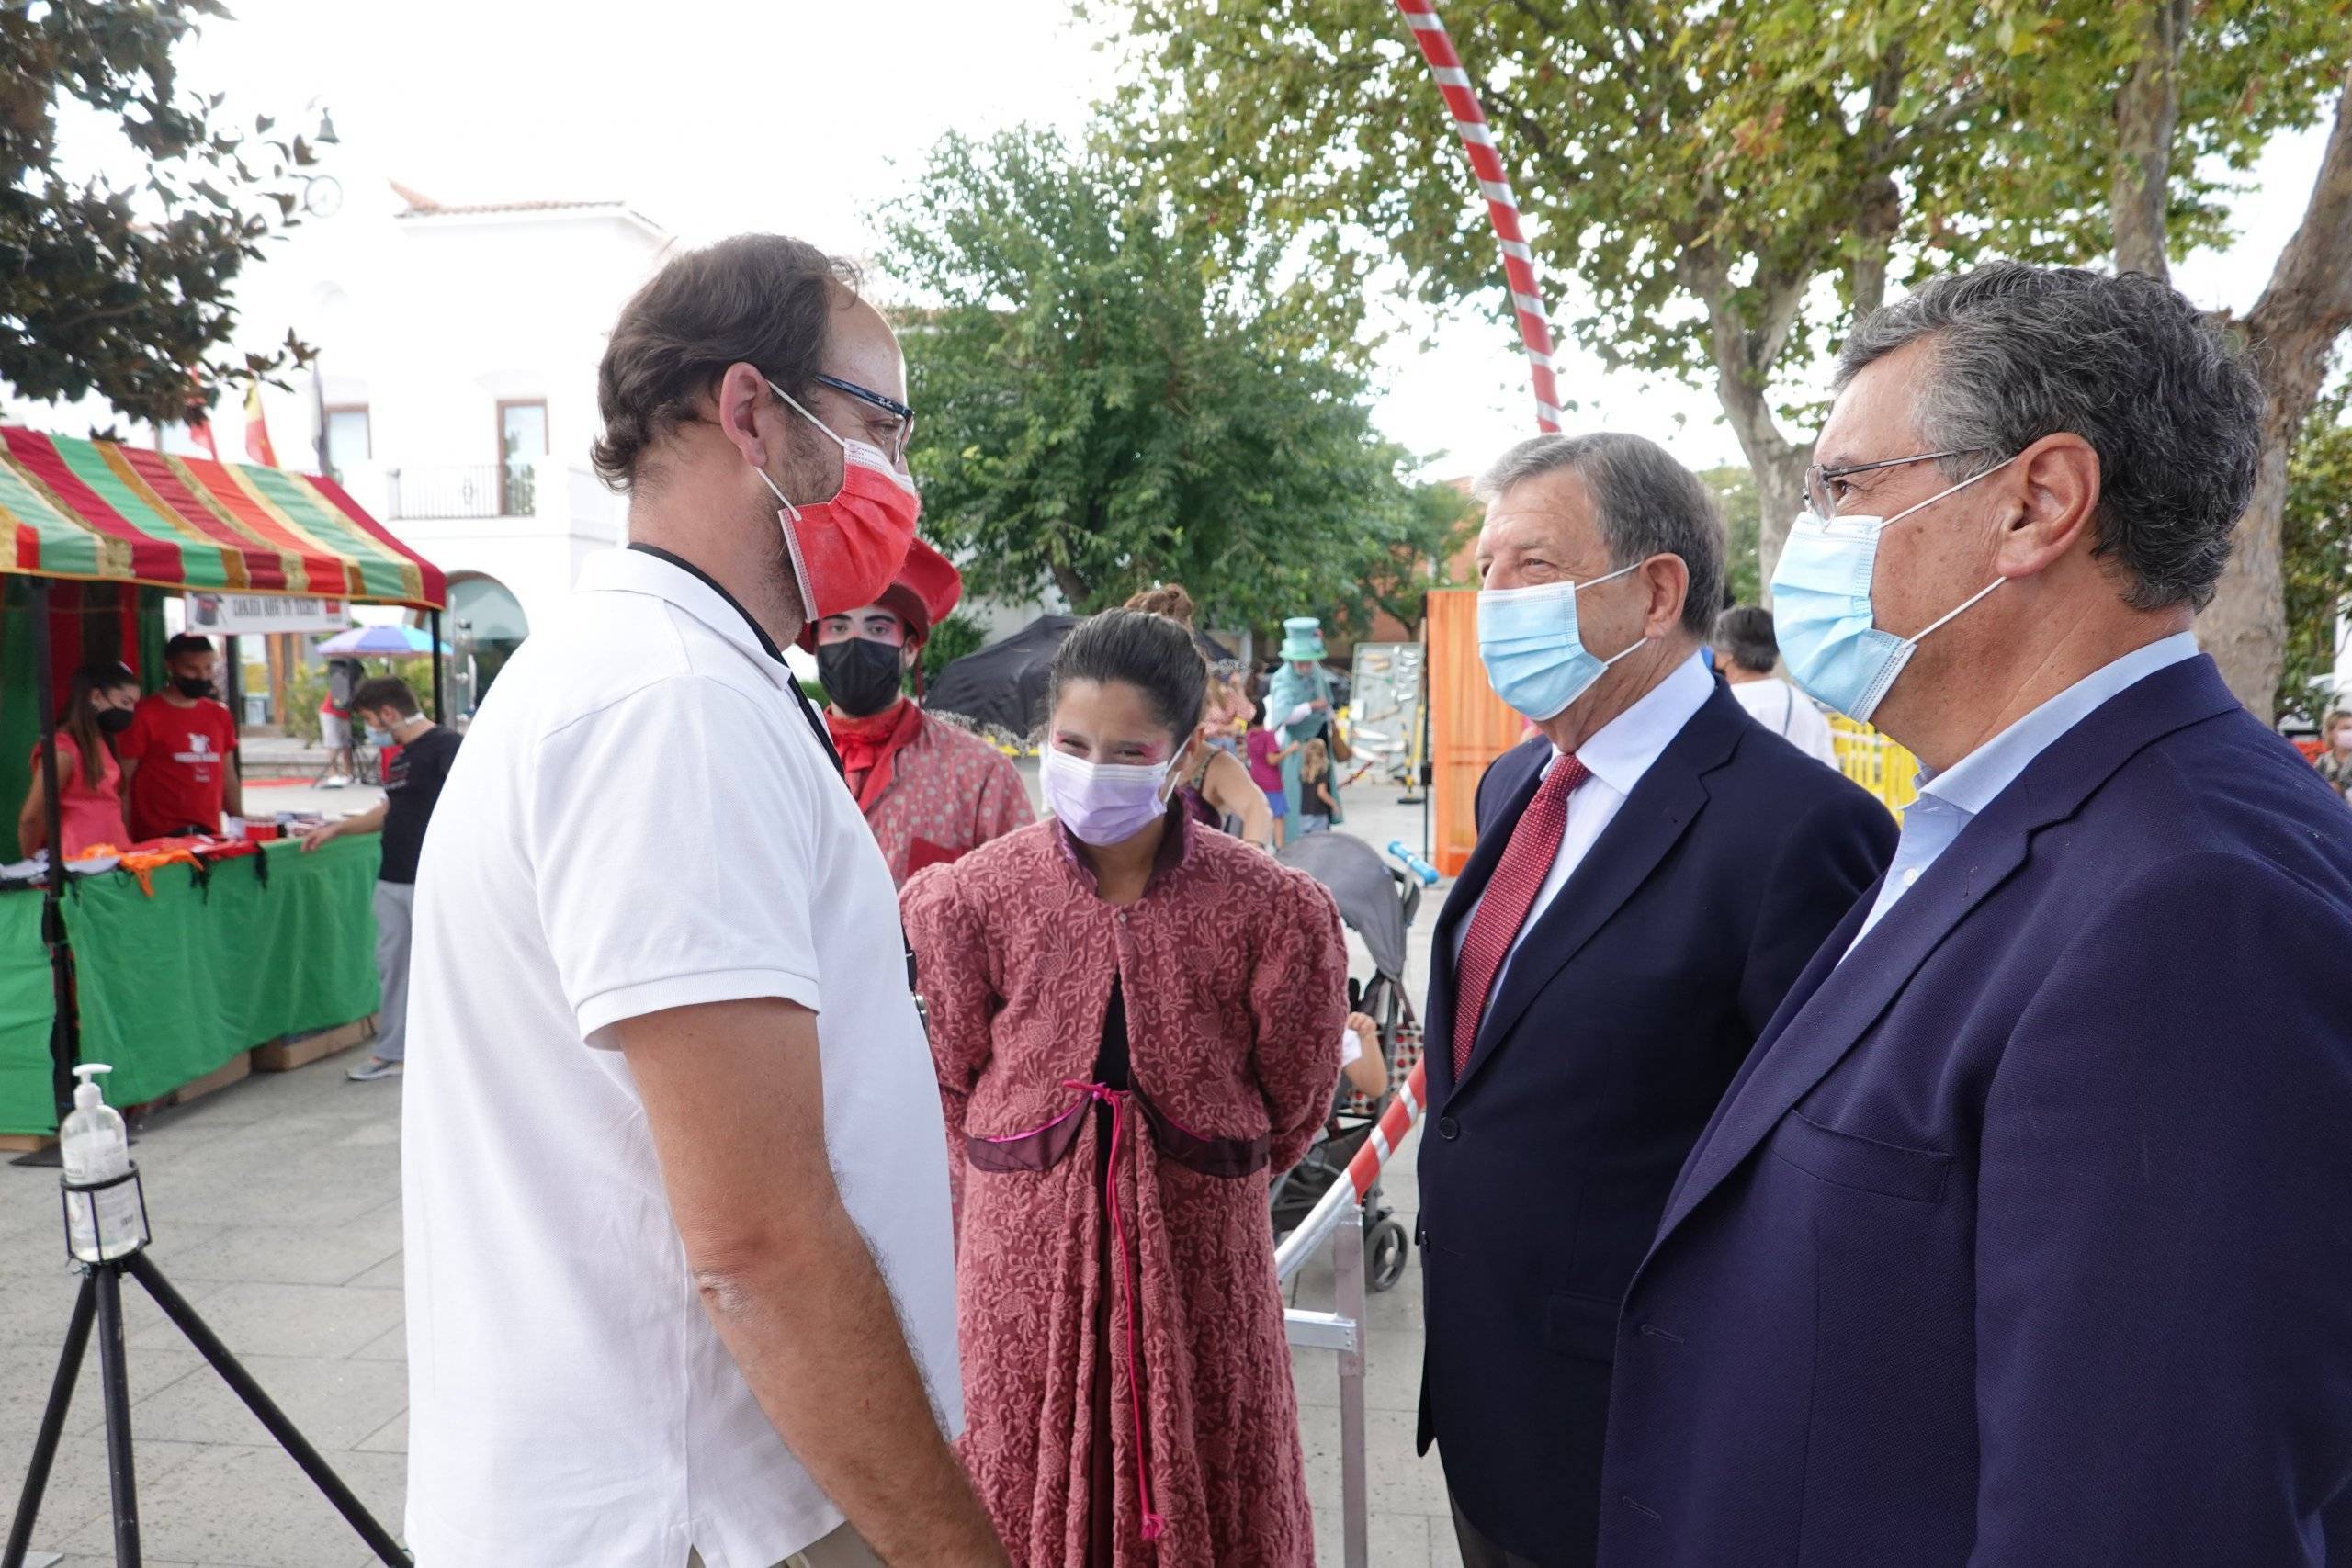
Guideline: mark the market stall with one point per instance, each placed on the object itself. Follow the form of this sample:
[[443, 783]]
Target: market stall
[[170, 975]]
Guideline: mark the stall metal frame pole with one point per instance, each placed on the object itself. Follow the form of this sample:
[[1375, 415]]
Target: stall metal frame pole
[[64, 1032], [233, 679], [433, 626], [1339, 1330]]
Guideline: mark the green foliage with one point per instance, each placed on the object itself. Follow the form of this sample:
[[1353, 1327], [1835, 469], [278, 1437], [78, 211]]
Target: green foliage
[[308, 685], [1439, 521], [2316, 547], [950, 640], [1113, 393], [1734, 485], [126, 289], [1724, 180]]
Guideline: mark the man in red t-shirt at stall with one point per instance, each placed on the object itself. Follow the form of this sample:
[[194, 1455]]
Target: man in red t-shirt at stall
[[178, 772]]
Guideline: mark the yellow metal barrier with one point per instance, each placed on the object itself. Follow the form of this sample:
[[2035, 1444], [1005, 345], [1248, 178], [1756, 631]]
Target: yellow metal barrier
[[1876, 763]]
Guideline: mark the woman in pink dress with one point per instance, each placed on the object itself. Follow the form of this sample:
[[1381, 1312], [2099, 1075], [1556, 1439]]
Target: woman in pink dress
[[89, 781], [1136, 1020]]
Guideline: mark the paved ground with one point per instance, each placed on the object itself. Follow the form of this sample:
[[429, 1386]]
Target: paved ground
[[276, 1207]]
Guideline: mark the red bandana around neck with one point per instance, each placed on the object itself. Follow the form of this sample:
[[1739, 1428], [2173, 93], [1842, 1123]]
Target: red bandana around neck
[[867, 746]]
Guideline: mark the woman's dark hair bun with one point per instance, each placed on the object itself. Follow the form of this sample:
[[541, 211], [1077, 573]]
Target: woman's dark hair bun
[[1143, 649]]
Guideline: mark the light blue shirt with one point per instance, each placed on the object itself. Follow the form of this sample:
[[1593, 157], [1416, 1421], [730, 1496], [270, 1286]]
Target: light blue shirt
[[1951, 800]]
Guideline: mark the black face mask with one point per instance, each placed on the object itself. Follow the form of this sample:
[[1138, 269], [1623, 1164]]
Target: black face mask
[[113, 721], [861, 676], [192, 688]]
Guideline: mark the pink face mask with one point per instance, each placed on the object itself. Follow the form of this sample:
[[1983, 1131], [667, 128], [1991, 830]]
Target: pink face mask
[[845, 551], [1103, 802]]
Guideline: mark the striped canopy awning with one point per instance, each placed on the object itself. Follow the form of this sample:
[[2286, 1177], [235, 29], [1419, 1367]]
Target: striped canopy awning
[[102, 511]]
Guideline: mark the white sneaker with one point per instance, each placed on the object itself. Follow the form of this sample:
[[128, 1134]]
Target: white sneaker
[[376, 1067], [334, 781]]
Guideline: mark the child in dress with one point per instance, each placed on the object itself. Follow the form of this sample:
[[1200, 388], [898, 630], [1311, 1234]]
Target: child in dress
[[1316, 804]]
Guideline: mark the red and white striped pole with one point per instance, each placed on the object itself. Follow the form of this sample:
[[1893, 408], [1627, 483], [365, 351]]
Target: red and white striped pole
[[1502, 207], [1535, 332]]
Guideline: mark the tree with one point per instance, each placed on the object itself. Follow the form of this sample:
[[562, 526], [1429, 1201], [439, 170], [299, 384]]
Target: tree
[[1731, 183], [1735, 490], [2316, 550], [1110, 398], [1440, 519], [125, 289]]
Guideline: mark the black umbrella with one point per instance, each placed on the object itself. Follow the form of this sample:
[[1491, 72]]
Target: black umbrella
[[1004, 683]]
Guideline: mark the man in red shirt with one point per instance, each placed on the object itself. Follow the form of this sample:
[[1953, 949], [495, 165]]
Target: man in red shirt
[[177, 768]]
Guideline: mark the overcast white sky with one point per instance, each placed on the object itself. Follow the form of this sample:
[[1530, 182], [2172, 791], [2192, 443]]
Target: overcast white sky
[[717, 115]]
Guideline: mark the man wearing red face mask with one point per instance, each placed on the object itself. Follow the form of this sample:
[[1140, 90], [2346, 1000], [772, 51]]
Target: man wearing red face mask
[[929, 791], [681, 1278]]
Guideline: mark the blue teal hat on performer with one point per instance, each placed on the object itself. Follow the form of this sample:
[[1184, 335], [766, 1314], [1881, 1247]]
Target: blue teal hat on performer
[[1303, 639]]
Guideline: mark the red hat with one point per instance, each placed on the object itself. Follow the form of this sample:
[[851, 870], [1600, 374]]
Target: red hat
[[924, 595]]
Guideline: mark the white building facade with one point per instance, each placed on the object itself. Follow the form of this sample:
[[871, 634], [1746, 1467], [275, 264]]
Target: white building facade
[[455, 376]]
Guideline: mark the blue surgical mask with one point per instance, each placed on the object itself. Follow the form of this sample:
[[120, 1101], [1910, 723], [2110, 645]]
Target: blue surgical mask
[[1528, 640], [1822, 614]]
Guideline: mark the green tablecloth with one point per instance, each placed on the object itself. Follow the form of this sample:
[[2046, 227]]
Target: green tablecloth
[[173, 985]]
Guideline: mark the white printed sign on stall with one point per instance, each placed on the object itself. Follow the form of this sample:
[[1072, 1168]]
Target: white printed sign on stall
[[245, 614]]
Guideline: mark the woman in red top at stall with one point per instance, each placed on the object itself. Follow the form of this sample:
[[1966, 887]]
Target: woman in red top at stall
[[89, 781], [1135, 1019]]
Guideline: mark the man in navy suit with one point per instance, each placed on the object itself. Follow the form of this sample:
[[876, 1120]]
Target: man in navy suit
[[1652, 871], [2025, 1239]]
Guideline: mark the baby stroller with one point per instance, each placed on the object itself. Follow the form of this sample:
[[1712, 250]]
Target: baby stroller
[[1378, 903]]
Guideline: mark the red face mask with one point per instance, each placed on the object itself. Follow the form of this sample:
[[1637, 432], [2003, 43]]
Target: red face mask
[[845, 551]]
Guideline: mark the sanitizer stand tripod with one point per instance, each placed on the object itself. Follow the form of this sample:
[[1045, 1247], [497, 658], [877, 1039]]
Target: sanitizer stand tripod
[[101, 1302]]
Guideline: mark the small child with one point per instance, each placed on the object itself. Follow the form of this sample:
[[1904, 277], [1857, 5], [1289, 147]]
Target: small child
[[1315, 803], [1266, 753]]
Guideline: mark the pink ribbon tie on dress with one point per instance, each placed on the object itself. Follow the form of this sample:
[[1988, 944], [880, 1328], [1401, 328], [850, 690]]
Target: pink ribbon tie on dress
[[1154, 1527]]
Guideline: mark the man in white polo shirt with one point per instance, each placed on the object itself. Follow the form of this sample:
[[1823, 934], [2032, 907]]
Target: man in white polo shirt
[[679, 1271]]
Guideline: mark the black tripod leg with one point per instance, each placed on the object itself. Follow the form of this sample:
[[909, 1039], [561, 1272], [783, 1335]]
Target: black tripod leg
[[114, 1369], [199, 1335], [53, 1426]]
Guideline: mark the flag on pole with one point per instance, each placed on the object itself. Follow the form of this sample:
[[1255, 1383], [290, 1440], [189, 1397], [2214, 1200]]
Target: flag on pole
[[201, 433], [257, 445]]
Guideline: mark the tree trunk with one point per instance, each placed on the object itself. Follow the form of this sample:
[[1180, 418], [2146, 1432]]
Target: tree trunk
[[2293, 328], [1744, 357], [1073, 588], [2148, 113]]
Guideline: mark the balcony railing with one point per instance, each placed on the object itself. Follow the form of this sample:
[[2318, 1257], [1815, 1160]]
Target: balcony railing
[[486, 490]]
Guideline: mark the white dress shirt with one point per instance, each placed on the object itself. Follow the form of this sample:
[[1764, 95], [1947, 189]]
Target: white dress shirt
[[1951, 800], [1617, 755], [1789, 714]]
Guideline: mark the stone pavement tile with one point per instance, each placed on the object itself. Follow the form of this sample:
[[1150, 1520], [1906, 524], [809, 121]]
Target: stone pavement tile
[[1400, 1482], [258, 1319], [35, 1309], [389, 1346], [289, 1254], [389, 1438], [1392, 1374], [307, 1187], [1396, 1541], [389, 1275], [78, 1495], [254, 1505], [27, 1374], [334, 1403]]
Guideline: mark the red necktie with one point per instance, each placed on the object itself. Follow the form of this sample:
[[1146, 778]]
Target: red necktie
[[1511, 893]]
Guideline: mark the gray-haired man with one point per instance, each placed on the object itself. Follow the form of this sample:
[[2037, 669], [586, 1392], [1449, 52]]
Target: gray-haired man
[[2023, 1238], [1652, 871]]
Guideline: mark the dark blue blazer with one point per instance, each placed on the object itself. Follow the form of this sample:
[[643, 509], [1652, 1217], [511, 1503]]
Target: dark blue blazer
[[2025, 1240], [1618, 1025]]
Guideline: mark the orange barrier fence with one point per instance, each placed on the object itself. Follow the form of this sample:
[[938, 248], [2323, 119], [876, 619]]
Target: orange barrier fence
[[1469, 726]]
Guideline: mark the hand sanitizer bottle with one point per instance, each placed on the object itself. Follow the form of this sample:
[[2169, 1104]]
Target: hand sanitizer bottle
[[95, 1146]]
